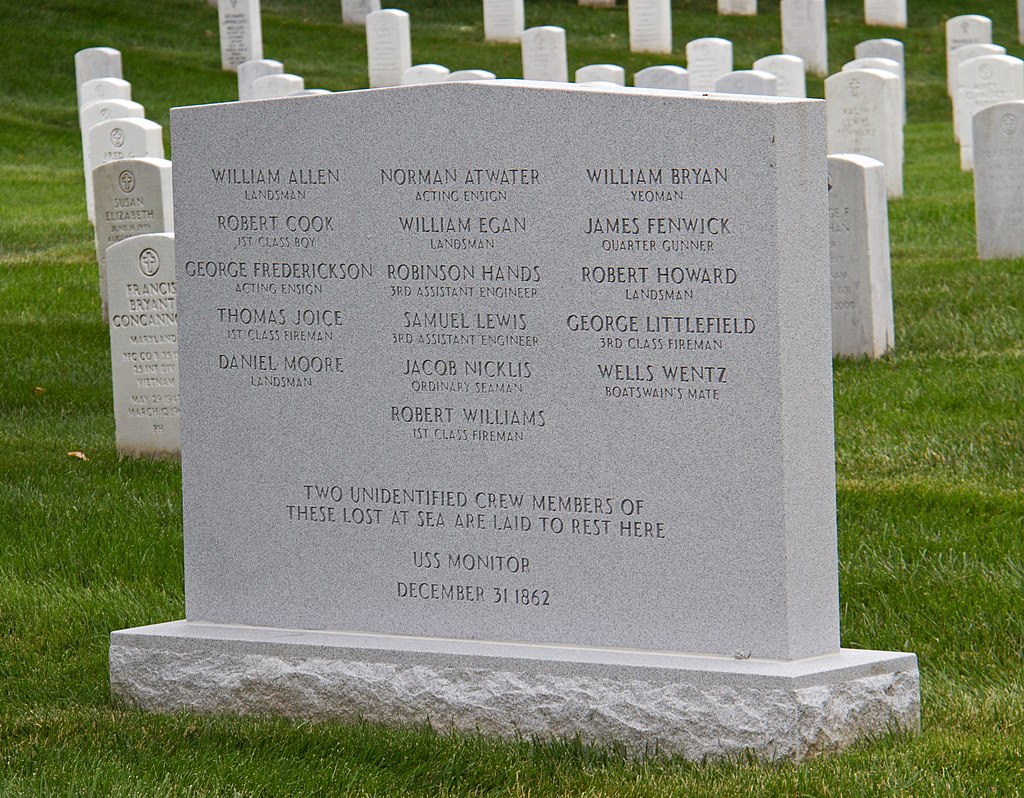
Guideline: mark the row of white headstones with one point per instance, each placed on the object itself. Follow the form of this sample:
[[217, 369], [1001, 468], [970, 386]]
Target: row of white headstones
[[129, 192]]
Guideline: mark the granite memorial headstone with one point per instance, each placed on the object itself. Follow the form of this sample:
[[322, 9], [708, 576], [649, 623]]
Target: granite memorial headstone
[[543, 422]]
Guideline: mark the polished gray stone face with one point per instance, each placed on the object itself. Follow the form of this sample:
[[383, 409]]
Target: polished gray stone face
[[241, 32], [132, 197], [999, 180], [862, 318], [144, 346], [548, 388]]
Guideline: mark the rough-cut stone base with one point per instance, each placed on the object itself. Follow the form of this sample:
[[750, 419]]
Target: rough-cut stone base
[[698, 706]]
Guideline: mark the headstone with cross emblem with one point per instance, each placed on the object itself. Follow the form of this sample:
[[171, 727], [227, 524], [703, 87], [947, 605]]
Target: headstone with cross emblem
[[961, 31], [805, 33], [999, 180], [117, 139], [132, 197], [650, 26], [981, 82], [91, 115], [241, 32], [863, 114], [144, 346], [862, 320]]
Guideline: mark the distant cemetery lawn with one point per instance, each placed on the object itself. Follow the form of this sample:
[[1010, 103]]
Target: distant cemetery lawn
[[929, 443]]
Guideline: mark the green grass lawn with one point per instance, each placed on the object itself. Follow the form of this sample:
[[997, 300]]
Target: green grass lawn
[[930, 446]]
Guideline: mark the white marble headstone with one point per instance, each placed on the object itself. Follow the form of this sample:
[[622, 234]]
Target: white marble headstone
[[132, 197], [96, 62], [886, 65], [650, 26], [805, 32], [504, 20], [249, 71], [272, 86], [353, 12], [863, 115], [241, 32], [981, 82], [92, 114], [956, 58], [144, 346], [738, 7], [596, 3], [960, 31], [470, 74], [664, 76], [99, 89], [601, 73], [890, 13], [748, 81], [424, 73], [862, 317], [999, 180], [789, 71], [544, 54], [707, 60], [388, 46], [881, 48]]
